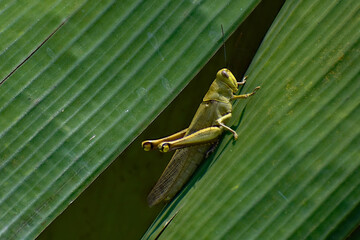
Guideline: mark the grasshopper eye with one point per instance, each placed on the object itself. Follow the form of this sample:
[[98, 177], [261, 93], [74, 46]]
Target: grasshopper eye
[[224, 74]]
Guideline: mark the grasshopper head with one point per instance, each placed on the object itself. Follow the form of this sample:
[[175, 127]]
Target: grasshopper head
[[228, 78]]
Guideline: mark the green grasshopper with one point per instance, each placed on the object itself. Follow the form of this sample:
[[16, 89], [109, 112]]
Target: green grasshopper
[[194, 142]]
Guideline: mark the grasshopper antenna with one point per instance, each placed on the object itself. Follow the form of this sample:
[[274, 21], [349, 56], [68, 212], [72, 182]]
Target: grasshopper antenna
[[223, 35]]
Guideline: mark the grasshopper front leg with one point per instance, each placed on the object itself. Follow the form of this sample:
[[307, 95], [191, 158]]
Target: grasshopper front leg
[[246, 95], [243, 81], [151, 144]]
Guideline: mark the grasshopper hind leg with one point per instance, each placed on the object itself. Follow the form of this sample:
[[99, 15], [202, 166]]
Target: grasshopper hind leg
[[153, 144], [212, 149], [203, 136]]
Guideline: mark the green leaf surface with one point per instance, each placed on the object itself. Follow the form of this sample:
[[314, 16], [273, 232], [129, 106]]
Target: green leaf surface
[[294, 171], [25, 25], [72, 101]]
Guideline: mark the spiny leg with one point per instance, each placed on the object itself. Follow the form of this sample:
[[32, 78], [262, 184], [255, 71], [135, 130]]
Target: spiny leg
[[206, 135], [150, 144], [243, 81], [246, 95], [220, 122]]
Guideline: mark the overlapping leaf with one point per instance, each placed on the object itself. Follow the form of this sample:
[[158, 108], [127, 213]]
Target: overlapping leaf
[[294, 172], [80, 98]]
